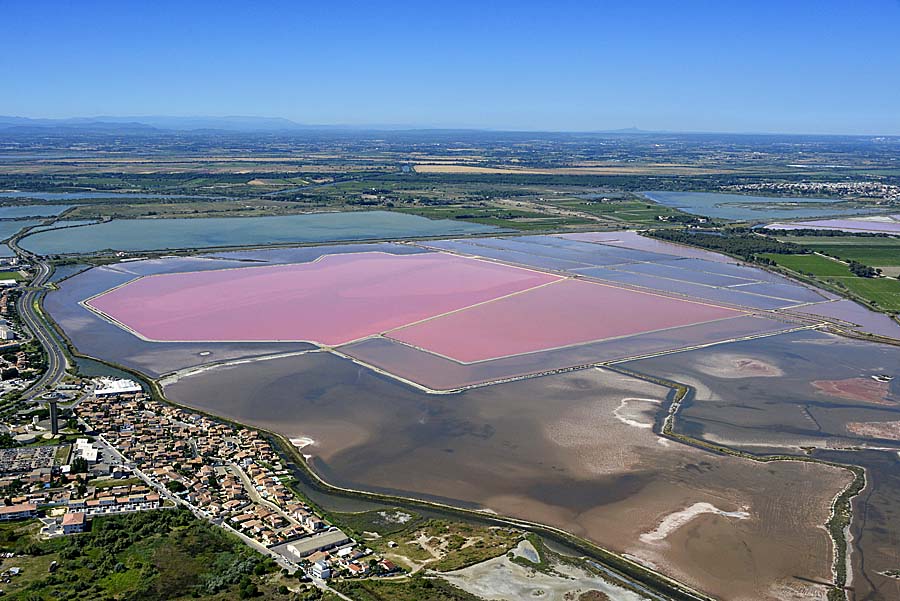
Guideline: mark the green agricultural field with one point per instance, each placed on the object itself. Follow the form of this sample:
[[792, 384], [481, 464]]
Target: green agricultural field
[[813, 264], [876, 256], [884, 292], [877, 252]]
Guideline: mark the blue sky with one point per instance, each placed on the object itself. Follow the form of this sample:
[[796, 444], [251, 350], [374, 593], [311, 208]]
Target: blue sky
[[822, 66]]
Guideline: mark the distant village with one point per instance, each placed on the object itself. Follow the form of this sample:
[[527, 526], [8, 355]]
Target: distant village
[[863, 189]]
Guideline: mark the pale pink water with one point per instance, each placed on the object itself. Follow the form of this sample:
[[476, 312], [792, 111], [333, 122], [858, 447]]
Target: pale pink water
[[633, 240], [564, 313], [885, 226], [332, 301]]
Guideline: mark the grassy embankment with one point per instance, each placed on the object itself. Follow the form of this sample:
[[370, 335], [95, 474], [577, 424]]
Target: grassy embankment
[[498, 217]]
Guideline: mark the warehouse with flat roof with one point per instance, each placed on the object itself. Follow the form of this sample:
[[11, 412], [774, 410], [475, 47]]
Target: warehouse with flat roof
[[318, 542]]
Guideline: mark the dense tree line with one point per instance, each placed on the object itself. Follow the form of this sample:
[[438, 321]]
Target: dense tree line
[[828, 233], [737, 242]]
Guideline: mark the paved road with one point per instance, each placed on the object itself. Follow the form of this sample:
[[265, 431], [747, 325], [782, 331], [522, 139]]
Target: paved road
[[40, 329], [256, 497]]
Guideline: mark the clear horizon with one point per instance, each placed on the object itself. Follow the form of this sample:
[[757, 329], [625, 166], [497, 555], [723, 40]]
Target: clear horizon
[[426, 127], [706, 67]]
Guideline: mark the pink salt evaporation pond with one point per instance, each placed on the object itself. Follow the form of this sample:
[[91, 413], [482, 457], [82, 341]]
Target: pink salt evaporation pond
[[332, 301], [560, 314]]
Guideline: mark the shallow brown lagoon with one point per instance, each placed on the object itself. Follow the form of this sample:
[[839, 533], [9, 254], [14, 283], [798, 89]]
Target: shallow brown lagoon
[[790, 390], [576, 451], [815, 390]]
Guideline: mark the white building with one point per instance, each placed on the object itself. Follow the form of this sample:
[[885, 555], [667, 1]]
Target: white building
[[86, 450], [112, 387], [321, 570], [6, 333]]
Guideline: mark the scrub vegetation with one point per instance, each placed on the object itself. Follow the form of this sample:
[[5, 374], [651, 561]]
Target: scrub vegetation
[[416, 588], [436, 544], [166, 554]]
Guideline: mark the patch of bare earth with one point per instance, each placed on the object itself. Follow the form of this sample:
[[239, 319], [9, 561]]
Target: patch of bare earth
[[500, 579], [730, 365], [867, 390], [887, 430]]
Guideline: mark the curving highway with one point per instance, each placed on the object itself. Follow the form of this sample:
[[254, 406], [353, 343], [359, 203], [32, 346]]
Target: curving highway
[[40, 329]]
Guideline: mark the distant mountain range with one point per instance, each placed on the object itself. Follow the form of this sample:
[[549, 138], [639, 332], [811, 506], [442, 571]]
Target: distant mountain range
[[152, 122], [162, 123]]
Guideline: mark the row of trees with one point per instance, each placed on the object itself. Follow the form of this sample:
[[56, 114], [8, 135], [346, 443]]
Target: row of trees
[[832, 233], [735, 242]]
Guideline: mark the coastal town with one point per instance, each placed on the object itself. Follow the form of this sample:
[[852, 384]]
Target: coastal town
[[133, 453], [75, 449]]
